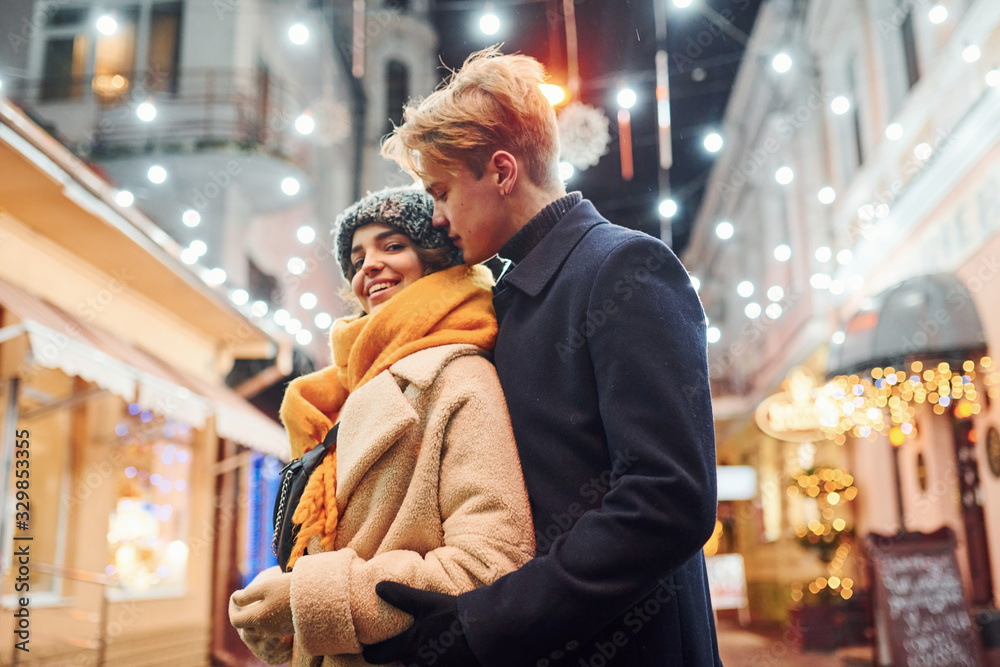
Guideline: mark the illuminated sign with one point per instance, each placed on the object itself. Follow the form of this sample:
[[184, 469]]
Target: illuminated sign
[[792, 415]]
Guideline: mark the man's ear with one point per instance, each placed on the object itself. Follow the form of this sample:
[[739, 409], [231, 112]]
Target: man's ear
[[503, 168]]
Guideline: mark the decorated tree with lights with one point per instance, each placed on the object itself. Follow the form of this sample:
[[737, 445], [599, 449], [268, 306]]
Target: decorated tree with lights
[[827, 532]]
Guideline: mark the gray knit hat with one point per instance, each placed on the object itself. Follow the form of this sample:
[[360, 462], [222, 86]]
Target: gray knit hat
[[407, 208]]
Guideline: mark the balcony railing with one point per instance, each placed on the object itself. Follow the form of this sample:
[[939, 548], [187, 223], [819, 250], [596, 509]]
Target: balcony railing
[[195, 109]]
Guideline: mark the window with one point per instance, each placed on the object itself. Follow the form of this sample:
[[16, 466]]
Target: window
[[114, 59], [46, 428], [261, 285], [855, 97], [148, 524], [397, 91], [909, 38], [67, 16], [73, 46], [62, 71], [163, 57], [263, 484]]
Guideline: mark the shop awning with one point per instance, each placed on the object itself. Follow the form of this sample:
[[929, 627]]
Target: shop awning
[[926, 317], [62, 341]]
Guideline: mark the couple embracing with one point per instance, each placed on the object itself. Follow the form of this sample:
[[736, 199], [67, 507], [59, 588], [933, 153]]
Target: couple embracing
[[530, 493]]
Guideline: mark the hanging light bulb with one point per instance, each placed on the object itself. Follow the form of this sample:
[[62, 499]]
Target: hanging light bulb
[[107, 25], [299, 34], [489, 22]]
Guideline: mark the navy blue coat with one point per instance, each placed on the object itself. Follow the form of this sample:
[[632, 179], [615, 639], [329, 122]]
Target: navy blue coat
[[602, 358]]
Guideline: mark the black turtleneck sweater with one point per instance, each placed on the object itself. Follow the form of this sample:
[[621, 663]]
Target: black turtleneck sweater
[[529, 236]]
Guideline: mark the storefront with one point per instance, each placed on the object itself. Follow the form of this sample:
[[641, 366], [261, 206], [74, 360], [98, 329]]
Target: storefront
[[111, 354], [796, 533], [912, 397]]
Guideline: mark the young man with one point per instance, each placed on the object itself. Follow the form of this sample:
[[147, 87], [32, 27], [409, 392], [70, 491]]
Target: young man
[[602, 358]]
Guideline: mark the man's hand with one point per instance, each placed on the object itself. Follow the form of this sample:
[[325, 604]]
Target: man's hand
[[264, 607], [436, 636]]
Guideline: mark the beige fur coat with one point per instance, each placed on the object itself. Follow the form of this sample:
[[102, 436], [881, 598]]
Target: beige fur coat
[[429, 493]]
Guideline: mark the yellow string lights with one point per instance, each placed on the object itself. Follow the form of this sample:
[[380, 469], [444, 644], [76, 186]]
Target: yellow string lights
[[828, 534], [885, 403]]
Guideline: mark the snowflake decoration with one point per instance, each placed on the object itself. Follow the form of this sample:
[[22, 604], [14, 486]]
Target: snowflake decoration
[[583, 135], [333, 121]]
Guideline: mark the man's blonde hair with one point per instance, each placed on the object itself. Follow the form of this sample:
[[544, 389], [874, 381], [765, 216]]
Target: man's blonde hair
[[492, 103]]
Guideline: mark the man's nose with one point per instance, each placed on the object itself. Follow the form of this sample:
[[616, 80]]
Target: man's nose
[[438, 219]]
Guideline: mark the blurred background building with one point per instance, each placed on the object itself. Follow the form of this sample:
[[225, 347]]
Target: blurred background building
[[846, 254], [169, 171], [188, 156]]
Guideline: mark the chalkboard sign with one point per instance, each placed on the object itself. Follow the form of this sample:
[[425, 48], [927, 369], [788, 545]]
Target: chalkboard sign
[[921, 613]]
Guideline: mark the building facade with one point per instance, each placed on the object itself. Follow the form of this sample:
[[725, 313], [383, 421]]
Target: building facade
[[112, 359], [241, 127], [860, 191], [235, 132]]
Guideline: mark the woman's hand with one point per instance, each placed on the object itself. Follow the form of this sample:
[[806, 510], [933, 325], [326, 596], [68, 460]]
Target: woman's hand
[[271, 650], [264, 607]]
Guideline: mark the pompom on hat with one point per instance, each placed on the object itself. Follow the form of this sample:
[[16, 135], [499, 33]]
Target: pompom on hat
[[407, 208]]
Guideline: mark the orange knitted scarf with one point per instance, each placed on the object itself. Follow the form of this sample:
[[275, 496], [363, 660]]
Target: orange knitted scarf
[[450, 306]]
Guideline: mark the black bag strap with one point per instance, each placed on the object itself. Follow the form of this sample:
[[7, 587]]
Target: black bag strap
[[294, 478]]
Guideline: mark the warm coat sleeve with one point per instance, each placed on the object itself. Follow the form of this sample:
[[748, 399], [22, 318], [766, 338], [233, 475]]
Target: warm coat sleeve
[[648, 352], [486, 522]]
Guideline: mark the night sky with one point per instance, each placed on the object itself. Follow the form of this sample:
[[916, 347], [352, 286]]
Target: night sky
[[617, 46]]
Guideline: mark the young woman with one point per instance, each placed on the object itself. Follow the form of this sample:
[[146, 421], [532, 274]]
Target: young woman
[[425, 486]]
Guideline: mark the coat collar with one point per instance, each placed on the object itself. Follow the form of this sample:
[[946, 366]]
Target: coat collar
[[532, 273], [422, 368], [378, 412]]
